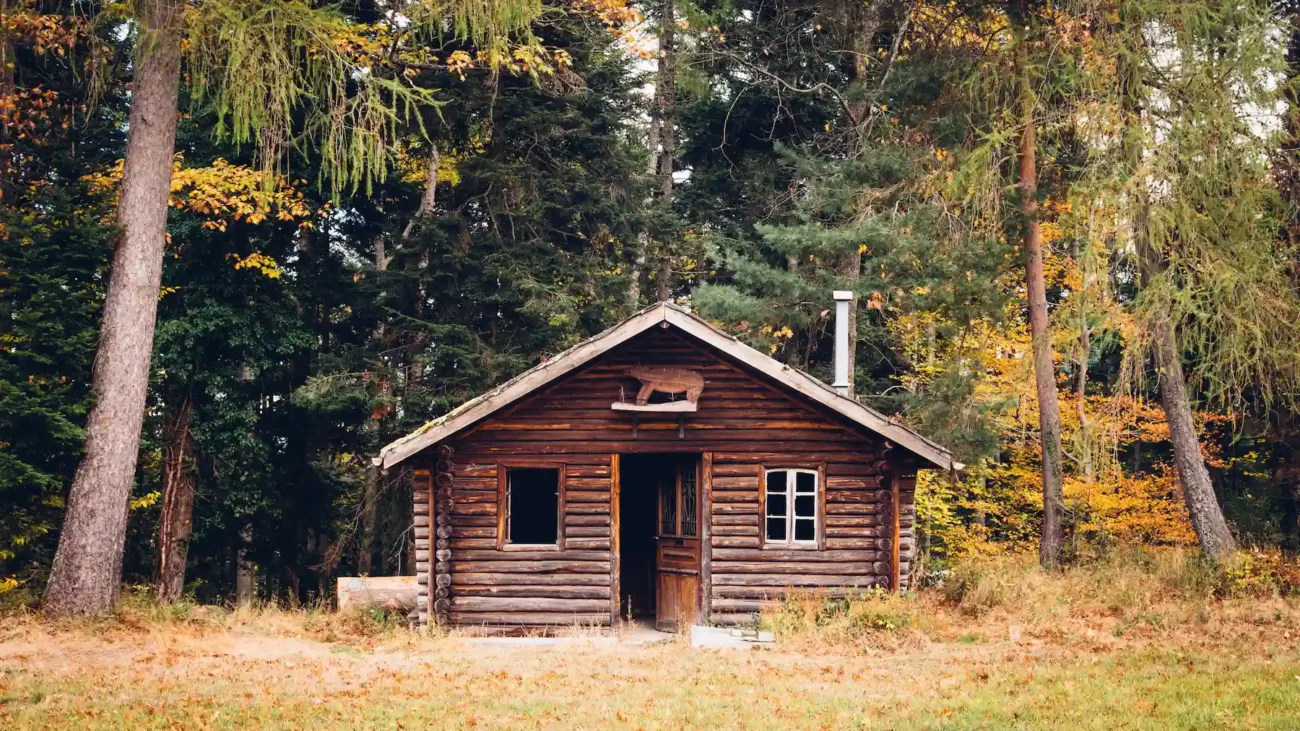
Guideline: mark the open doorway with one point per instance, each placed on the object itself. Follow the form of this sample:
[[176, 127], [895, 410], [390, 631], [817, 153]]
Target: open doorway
[[637, 515], [659, 539]]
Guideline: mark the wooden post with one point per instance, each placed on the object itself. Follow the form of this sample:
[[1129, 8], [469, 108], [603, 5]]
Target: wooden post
[[443, 482], [821, 508], [502, 507], [422, 510], [895, 572], [615, 480], [705, 518]]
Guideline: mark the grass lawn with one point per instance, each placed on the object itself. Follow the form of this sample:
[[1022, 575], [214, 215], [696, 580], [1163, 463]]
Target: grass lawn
[[1098, 653], [243, 679]]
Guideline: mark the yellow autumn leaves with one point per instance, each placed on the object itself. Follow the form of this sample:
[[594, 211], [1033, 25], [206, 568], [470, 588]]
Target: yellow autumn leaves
[[221, 193]]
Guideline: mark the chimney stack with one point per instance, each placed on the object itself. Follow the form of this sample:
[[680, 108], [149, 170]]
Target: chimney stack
[[842, 300]]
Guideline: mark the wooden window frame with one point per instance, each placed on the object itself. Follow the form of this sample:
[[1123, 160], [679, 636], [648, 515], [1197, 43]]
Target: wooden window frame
[[503, 506], [818, 542]]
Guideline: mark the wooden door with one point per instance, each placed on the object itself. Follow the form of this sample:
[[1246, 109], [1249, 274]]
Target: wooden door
[[677, 551]]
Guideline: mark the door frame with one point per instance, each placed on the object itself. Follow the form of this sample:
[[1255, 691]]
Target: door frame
[[704, 531]]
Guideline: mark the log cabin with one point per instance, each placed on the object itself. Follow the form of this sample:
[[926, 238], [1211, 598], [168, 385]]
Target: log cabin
[[661, 469]]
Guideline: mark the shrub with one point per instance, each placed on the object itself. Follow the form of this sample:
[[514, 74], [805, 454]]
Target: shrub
[[1258, 573], [979, 585], [865, 618]]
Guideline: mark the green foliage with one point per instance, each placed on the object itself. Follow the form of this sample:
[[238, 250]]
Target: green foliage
[[866, 148], [54, 246], [1221, 274]]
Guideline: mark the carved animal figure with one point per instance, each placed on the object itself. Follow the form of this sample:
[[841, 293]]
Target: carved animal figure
[[666, 379]]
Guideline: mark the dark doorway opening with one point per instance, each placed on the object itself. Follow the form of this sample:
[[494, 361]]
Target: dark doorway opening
[[638, 495], [659, 543]]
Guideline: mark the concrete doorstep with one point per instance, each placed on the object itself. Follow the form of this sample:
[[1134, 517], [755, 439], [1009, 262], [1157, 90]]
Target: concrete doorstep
[[723, 638]]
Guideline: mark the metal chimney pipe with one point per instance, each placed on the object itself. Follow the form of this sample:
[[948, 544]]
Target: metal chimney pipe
[[842, 299]]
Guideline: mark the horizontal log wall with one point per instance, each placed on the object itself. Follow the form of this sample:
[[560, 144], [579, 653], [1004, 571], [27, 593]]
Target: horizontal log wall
[[745, 422], [856, 554], [530, 588]]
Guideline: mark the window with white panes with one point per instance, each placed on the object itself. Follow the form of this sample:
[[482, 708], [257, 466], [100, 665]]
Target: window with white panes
[[790, 510]]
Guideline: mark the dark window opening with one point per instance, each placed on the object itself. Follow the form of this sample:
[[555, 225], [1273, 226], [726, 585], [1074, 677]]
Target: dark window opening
[[667, 506], [686, 478], [533, 505]]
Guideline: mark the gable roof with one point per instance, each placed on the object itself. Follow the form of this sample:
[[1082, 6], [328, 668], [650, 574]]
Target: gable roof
[[482, 406]]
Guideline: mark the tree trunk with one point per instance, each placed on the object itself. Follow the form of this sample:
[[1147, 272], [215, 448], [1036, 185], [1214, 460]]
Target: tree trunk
[[427, 201], [643, 238], [176, 525], [1207, 518], [862, 21], [665, 102], [666, 95], [366, 529], [1049, 413], [244, 568], [87, 570], [1081, 383]]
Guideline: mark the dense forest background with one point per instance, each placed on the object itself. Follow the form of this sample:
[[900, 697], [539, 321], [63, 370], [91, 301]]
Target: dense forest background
[[742, 157]]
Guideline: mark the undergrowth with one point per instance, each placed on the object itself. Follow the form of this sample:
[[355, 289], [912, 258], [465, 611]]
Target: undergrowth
[[138, 611], [1129, 592]]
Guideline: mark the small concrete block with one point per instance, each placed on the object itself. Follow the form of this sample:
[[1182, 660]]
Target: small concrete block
[[767, 637], [716, 638]]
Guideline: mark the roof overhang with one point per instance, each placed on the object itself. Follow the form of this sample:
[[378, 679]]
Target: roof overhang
[[479, 408]]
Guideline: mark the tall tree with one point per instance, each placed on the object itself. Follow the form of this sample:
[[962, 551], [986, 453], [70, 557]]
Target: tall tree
[[1217, 304], [662, 142], [1049, 411], [87, 570], [245, 64]]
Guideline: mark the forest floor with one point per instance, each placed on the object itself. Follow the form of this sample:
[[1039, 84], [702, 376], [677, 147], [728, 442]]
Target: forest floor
[[926, 661]]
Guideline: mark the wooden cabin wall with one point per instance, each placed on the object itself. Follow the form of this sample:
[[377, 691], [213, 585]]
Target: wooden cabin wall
[[744, 422]]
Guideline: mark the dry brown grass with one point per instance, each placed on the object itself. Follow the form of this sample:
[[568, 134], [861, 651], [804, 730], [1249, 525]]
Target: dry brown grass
[[1137, 641], [1131, 595]]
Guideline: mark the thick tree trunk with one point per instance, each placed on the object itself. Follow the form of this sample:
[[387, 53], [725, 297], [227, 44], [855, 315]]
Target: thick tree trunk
[[1207, 518], [862, 22], [666, 95], [87, 571], [176, 525], [1049, 412]]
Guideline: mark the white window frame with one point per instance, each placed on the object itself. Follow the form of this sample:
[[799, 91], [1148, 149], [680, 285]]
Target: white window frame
[[791, 485]]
